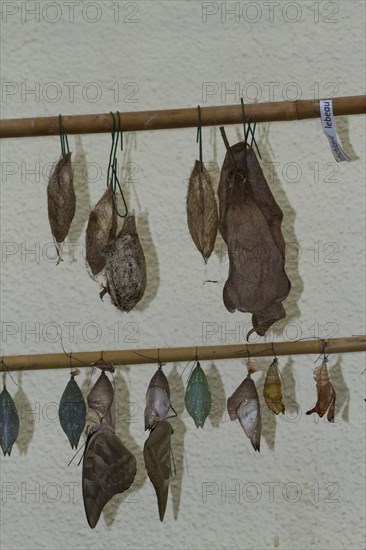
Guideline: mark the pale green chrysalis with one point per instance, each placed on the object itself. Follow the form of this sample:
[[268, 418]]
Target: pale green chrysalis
[[198, 396], [9, 421]]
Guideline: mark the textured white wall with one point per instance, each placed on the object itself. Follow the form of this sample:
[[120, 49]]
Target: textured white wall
[[161, 54]]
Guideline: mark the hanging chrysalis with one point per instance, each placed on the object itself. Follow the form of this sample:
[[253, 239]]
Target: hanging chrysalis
[[72, 411], [61, 195], [272, 389], [198, 396], [202, 215], [157, 456], [101, 231], [101, 395], [9, 421], [126, 267], [243, 405], [325, 392], [157, 399], [109, 467]]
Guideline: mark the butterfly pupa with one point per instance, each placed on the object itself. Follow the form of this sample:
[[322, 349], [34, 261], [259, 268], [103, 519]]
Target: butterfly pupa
[[244, 405], [198, 396], [325, 392], [61, 200], [109, 468], [202, 215], [101, 395], [157, 399], [9, 421], [272, 389], [72, 412], [157, 456]]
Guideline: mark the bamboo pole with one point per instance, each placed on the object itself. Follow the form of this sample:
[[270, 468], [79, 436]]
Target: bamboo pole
[[178, 118], [176, 355]]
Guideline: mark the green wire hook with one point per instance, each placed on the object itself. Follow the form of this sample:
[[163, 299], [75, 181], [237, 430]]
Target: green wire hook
[[199, 136], [63, 138]]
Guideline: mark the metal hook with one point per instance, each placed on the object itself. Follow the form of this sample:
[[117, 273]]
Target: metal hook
[[199, 136], [63, 137]]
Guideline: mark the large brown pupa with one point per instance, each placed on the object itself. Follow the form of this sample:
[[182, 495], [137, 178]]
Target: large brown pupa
[[61, 200], [325, 393], [202, 215], [250, 224], [125, 268], [100, 232], [100, 398]]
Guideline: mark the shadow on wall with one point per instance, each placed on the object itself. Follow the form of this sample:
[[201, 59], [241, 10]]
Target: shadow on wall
[[342, 127], [81, 192], [288, 230], [218, 396], [177, 391], [26, 418], [342, 392]]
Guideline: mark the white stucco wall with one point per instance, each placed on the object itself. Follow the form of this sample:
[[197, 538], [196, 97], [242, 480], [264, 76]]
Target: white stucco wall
[[162, 55]]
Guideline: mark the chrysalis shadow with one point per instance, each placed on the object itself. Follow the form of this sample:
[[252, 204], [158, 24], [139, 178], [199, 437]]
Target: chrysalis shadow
[[289, 390], [268, 417], [342, 391], [126, 413], [217, 389], [342, 127], [152, 261], [177, 390], [26, 418], [81, 192], [288, 230]]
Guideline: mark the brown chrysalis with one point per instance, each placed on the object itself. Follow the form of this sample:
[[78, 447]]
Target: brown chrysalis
[[243, 405], [157, 456], [325, 392], [202, 216], [61, 200], [100, 232], [157, 399], [272, 389], [250, 224], [125, 268]]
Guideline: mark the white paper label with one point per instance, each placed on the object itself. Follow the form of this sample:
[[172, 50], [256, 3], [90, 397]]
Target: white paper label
[[326, 115]]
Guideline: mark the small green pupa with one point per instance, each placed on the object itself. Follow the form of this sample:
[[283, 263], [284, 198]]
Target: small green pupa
[[9, 421], [72, 411], [198, 396]]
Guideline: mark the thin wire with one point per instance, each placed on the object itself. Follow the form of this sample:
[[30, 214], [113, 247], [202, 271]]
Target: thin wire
[[199, 137]]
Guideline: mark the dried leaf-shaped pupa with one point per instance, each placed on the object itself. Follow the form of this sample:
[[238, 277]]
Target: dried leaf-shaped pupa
[[126, 267], [272, 389], [101, 396], [9, 421], [157, 399], [325, 392], [198, 396], [250, 224], [157, 456], [72, 412], [108, 468], [61, 199], [100, 232], [243, 405], [202, 216]]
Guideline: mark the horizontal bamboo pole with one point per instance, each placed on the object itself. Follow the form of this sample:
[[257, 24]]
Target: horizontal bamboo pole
[[178, 118], [176, 355]]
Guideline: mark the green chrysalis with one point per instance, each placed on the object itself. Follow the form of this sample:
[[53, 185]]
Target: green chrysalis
[[9, 422], [198, 396], [72, 412]]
